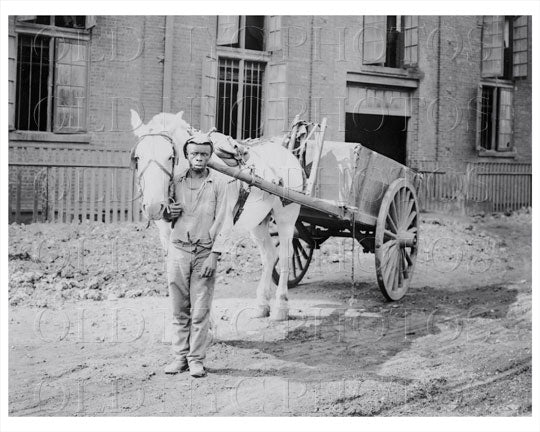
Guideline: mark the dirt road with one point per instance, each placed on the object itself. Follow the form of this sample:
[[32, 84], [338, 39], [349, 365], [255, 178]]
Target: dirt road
[[88, 337]]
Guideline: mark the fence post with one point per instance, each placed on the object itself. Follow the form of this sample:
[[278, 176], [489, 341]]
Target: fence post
[[18, 198]]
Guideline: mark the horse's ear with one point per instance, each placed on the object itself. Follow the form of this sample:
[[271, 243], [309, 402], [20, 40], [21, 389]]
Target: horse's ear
[[180, 114], [132, 160], [136, 123]]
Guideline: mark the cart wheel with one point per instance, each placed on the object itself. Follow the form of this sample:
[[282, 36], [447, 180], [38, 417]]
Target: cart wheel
[[303, 246], [396, 239]]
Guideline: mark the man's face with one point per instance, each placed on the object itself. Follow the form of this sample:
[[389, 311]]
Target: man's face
[[198, 156]]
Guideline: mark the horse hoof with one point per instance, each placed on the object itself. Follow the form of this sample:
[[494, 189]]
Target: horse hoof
[[262, 312], [279, 314]]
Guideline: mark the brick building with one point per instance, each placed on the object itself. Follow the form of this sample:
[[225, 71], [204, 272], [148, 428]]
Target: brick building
[[436, 93]]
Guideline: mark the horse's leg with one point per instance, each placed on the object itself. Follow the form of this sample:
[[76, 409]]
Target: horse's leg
[[285, 218], [164, 228], [262, 238]]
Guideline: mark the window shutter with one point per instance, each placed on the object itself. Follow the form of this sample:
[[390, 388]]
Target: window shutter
[[504, 138], [227, 33], [90, 21], [70, 86], [479, 117], [374, 39], [12, 74], [492, 46], [274, 33], [410, 43], [209, 93], [519, 48], [276, 105]]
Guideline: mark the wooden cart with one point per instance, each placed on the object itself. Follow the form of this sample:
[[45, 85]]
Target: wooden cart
[[350, 191]]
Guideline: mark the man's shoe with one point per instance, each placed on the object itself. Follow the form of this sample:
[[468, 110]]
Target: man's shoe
[[176, 367], [196, 370]]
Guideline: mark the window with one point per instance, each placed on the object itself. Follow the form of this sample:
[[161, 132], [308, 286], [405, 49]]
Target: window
[[241, 32], [239, 98], [390, 41], [233, 82], [51, 73], [495, 118], [504, 47]]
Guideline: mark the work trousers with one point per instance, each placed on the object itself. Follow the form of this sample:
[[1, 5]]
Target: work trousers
[[191, 296]]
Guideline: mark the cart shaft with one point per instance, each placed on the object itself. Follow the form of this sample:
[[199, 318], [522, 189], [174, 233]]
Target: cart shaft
[[318, 204]]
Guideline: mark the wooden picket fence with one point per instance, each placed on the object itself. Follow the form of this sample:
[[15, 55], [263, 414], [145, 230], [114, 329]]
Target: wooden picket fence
[[483, 186], [63, 183], [76, 185]]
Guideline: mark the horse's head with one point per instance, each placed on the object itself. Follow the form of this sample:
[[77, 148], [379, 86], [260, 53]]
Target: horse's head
[[154, 158]]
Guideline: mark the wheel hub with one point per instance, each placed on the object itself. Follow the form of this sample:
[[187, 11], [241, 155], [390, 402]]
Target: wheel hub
[[406, 239]]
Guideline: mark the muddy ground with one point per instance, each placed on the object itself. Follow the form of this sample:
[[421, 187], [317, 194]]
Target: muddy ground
[[88, 328]]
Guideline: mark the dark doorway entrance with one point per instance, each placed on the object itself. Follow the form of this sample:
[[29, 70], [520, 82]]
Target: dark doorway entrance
[[384, 134]]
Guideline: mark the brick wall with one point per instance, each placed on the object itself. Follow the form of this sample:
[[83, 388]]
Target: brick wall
[[194, 39], [127, 71]]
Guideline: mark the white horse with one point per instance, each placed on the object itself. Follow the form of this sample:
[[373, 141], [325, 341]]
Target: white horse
[[158, 155]]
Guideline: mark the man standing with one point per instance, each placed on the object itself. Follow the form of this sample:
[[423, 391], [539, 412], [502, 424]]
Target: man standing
[[193, 254]]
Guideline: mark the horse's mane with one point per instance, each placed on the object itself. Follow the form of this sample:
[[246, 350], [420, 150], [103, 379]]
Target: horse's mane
[[167, 122]]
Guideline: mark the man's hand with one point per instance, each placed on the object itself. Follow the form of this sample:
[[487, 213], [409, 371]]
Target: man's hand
[[174, 211], [209, 265]]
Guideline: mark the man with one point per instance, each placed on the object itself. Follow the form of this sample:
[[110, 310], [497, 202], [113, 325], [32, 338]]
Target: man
[[193, 254]]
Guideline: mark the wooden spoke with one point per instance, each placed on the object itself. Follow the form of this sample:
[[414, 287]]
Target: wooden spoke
[[388, 269], [395, 271], [298, 259], [399, 197], [405, 264], [390, 234], [410, 219], [301, 249], [389, 256], [408, 258], [387, 246], [410, 204], [399, 268], [302, 253], [392, 224], [393, 215]]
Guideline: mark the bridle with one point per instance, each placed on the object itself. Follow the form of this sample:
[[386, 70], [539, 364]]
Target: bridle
[[165, 170], [169, 173]]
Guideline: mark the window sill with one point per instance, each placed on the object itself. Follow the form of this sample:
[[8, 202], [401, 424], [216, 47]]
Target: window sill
[[53, 31], [497, 154], [382, 79], [497, 82], [411, 72], [37, 136], [241, 53]]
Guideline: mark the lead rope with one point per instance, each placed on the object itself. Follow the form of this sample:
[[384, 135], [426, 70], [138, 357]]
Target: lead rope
[[352, 300], [172, 200]]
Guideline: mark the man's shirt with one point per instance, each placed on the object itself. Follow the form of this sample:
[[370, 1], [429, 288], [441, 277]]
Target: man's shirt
[[204, 212]]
